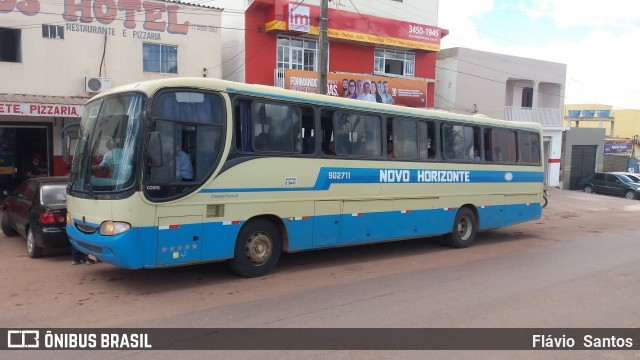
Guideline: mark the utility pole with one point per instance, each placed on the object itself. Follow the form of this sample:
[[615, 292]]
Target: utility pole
[[323, 48]]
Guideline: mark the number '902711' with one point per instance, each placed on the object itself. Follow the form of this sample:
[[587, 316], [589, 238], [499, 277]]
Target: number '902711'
[[339, 175]]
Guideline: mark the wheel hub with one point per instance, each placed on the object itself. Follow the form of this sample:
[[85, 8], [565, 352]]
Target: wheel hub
[[464, 230], [259, 248]]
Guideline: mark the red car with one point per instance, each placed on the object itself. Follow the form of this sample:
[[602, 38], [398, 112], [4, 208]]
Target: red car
[[37, 211]]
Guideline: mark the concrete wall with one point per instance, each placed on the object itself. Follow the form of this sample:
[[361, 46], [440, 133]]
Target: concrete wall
[[615, 163], [233, 46], [492, 81]]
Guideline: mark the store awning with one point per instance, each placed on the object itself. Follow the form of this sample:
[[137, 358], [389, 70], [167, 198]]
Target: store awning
[[44, 99], [42, 105]]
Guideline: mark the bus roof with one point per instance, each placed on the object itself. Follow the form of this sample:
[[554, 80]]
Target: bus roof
[[150, 87]]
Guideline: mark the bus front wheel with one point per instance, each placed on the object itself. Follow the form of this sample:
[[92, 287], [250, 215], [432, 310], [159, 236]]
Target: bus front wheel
[[257, 250], [464, 229]]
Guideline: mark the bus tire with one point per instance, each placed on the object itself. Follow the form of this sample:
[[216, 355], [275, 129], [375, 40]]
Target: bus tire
[[257, 249], [6, 226], [464, 229]]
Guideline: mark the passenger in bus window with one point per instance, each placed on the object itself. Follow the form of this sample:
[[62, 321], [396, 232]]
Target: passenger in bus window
[[476, 155], [331, 150], [184, 169], [390, 154], [431, 152]]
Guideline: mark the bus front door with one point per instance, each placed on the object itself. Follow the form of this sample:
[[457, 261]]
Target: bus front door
[[179, 239], [327, 223]]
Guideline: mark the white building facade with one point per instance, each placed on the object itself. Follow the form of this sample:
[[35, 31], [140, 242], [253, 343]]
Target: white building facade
[[55, 55], [506, 87]]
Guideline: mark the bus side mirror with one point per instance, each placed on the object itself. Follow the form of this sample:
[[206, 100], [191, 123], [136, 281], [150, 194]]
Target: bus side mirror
[[69, 132], [154, 149], [65, 149]]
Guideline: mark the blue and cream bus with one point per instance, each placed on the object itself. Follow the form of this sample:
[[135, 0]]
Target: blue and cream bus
[[274, 170]]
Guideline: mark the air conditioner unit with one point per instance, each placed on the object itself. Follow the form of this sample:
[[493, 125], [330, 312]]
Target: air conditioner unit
[[96, 84]]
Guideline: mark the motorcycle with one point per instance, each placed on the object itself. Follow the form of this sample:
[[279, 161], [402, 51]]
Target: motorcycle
[[545, 197]]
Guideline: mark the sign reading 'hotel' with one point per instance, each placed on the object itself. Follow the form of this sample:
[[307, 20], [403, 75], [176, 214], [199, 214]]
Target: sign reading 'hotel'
[[95, 16]]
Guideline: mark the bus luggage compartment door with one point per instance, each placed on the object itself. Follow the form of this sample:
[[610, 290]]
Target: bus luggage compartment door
[[326, 223], [179, 239]]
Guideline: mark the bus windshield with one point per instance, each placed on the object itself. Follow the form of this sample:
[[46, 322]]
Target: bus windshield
[[105, 153]]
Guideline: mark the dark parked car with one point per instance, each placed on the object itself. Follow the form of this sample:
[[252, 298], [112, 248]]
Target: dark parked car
[[613, 184], [37, 210], [633, 176]]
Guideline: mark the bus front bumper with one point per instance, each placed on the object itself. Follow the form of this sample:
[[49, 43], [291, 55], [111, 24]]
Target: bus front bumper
[[122, 250]]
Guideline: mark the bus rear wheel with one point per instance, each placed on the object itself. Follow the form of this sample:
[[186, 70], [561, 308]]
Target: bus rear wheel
[[257, 250], [464, 229]]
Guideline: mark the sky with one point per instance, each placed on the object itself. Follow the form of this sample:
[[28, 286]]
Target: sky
[[598, 40]]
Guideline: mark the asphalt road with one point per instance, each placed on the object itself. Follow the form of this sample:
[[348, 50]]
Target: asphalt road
[[578, 266]]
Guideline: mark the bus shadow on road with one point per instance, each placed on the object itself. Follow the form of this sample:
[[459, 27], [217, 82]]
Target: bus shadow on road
[[148, 281]]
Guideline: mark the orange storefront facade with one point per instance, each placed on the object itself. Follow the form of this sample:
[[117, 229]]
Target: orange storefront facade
[[361, 47]]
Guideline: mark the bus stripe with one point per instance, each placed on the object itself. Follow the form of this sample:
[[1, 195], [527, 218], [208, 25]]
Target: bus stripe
[[416, 176]]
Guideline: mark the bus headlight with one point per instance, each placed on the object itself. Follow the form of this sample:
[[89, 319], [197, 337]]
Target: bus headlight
[[110, 228], [69, 219]]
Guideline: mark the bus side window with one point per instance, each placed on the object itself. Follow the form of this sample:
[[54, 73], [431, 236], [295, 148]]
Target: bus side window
[[276, 127], [343, 146], [358, 134], [326, 133], [242, 115]]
